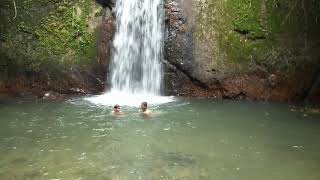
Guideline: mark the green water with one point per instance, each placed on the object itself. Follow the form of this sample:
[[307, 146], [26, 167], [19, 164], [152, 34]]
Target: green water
[[186, 139]]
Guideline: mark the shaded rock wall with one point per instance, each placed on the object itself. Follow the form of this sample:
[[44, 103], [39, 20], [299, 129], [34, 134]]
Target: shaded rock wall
[[54, 45], [254, 49]]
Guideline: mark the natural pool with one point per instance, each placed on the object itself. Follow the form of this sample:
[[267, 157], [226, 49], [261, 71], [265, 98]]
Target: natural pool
[[187, 139]]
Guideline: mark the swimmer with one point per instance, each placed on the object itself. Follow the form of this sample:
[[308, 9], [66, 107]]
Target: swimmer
[[144, 109], [116, 110]]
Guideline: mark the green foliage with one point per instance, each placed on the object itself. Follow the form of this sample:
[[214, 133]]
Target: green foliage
[[47, 33], [249, 34], [66, 30], [246, 16]]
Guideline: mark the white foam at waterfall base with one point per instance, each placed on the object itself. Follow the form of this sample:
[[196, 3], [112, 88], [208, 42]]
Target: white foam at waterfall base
[[128, 99]]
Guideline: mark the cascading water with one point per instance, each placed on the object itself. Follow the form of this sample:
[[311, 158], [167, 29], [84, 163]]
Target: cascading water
[[137, 44], [136, 65]]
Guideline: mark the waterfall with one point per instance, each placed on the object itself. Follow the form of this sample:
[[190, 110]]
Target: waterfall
[[136, 55], [137, 47]]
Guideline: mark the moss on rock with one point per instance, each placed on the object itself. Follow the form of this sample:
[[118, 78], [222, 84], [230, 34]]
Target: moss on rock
[[47, 33], [268, 35]]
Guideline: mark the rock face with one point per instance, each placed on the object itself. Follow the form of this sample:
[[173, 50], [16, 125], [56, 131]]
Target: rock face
[[242, 49], [239, 49], [105, 39], [58, 46]]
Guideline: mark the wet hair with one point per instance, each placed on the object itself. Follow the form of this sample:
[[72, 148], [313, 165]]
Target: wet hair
[[116, 106], [144, 104]]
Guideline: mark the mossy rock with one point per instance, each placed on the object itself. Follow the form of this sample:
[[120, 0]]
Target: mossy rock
[[48, 33], [251, 35]]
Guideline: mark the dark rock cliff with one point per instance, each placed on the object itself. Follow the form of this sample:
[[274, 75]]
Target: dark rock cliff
[[61, 46], [242, 49]]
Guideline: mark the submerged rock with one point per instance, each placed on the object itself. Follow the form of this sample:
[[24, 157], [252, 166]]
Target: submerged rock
[[51, 95]]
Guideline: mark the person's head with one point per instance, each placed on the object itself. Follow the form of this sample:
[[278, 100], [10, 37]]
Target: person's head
[[116, 108], [144, 106]]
